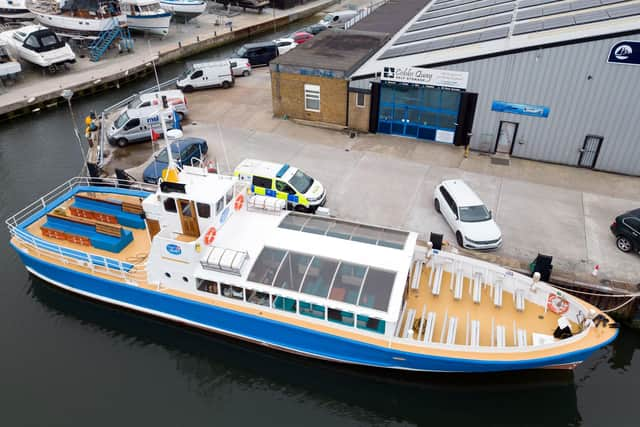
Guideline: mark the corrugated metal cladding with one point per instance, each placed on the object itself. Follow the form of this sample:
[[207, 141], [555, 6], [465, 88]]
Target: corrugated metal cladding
[[585, 94]]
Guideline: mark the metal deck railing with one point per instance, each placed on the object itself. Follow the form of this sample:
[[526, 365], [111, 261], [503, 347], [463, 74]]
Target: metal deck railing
[[130, 272]]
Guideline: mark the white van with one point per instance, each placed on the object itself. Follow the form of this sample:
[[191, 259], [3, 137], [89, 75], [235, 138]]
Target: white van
[[206, 74], [337, 19], [149, 103], [136, 126]]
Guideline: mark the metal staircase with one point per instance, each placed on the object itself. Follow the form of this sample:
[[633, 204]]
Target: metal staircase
[[100, 45]]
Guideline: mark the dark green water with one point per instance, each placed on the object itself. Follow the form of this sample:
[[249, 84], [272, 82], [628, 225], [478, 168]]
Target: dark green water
[[67, 361]]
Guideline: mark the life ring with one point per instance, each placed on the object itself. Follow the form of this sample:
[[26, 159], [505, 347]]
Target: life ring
[[239, 202], [557, 304], [210, 236]]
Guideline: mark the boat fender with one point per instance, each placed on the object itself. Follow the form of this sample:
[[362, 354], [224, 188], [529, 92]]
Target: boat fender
[[239, 202], [557, 304], [210, 236]]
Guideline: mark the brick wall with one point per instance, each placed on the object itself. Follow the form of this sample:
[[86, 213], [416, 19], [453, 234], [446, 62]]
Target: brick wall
[[287, 95], [359, 116]]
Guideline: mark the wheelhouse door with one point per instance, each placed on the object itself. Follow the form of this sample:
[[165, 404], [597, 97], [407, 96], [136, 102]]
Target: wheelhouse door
[[188, 218], [589, 152]]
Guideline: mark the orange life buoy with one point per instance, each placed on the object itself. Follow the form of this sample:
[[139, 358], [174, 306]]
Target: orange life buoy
[[210, 236], [239, 202], [557, 304]]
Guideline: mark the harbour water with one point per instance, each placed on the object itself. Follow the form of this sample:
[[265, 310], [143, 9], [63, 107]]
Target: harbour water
[[68, 361]]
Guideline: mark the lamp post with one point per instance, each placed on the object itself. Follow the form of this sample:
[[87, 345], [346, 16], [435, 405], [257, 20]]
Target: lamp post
[[68, 94]]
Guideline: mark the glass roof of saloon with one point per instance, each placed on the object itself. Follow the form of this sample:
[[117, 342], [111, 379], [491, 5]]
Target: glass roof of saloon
[[345, 230], [334, 280]]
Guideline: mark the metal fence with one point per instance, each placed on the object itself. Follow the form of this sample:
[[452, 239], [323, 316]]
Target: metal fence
[[363, 13]]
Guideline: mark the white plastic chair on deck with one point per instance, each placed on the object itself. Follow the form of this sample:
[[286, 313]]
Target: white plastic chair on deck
[[475, 333], [501, 336], [497, 294], [522, 338], [417, 272], [431, 325], [458, 288], [436, 277], [519, 297], [408, 324]]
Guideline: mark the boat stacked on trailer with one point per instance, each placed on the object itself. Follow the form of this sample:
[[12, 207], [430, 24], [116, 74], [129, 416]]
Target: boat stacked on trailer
[[147, 16], [14, 10], [201, 249], [79, 19]]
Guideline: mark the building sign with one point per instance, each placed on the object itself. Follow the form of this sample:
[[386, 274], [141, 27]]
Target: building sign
[[523, 109], [444, 136], [625, 52], [426, 76]]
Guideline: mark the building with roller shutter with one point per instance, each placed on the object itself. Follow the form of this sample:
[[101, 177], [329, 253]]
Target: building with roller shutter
[[555, 81]]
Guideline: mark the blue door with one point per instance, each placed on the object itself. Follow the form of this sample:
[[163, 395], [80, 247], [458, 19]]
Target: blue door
[[418, 112]]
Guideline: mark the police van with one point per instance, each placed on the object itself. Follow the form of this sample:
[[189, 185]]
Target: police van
[[302, 192]]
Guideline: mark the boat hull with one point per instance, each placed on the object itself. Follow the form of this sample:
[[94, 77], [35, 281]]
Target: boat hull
[[155, 24], [270, 333], [15, 14], [75, 27], [185, 10]]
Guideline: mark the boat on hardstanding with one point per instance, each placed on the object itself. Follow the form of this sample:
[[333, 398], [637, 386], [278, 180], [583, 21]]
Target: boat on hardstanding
[[14, 10], [200, 249], [9, 67], [78, 18], [147, 16], [184, 9], [40, 46]]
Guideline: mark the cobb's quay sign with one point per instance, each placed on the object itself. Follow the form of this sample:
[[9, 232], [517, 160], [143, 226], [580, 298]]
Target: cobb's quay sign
[[426, 76]]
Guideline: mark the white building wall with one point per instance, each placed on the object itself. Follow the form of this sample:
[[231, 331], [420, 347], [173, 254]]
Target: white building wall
[[585, 94]]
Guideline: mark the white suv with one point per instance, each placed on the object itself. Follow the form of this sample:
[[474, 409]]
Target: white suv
[[468, 217]]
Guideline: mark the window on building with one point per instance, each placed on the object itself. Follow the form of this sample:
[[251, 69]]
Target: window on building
[[312, 98], [360, 100], [170, 205], [204, 210]]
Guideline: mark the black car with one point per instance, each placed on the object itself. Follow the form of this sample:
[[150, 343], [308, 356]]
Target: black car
[[314, 29], [258, 53], [626, 228]]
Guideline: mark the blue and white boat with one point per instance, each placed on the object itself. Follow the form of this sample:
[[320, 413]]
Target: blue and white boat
[[147, 16], [202, 250], [184, 9]]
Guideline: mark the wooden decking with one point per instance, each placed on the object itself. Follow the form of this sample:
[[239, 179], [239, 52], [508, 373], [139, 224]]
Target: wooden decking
[[477, 317]]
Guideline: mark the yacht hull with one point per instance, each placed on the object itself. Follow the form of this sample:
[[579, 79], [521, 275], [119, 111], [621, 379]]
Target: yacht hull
[[155, 24]]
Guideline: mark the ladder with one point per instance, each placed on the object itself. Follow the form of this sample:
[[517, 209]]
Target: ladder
[[100, 45]]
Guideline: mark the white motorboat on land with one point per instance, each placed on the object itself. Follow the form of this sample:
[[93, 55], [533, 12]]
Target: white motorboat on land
[[38, 45], [15, 10], [185, 9], [9, 67], [147, 15], [79, 19]]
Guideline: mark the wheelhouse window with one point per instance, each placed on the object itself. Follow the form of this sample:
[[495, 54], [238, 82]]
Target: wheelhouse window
[[204, 210], [312, 98], [234, 292], [170, 205], [207, 286]]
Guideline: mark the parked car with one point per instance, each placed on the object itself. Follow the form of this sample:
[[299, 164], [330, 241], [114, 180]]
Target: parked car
[[302, 192], [240, 67], [206, 75], [136, 126], [337, 19], [314, 29], [467, 215], [285, 45], [184, 152], [258, 53], [626, 228], [301, 37]]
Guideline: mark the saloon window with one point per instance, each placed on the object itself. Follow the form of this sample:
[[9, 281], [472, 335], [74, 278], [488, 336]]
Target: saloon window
[[204, 210], [234, 292], [207, 286]]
